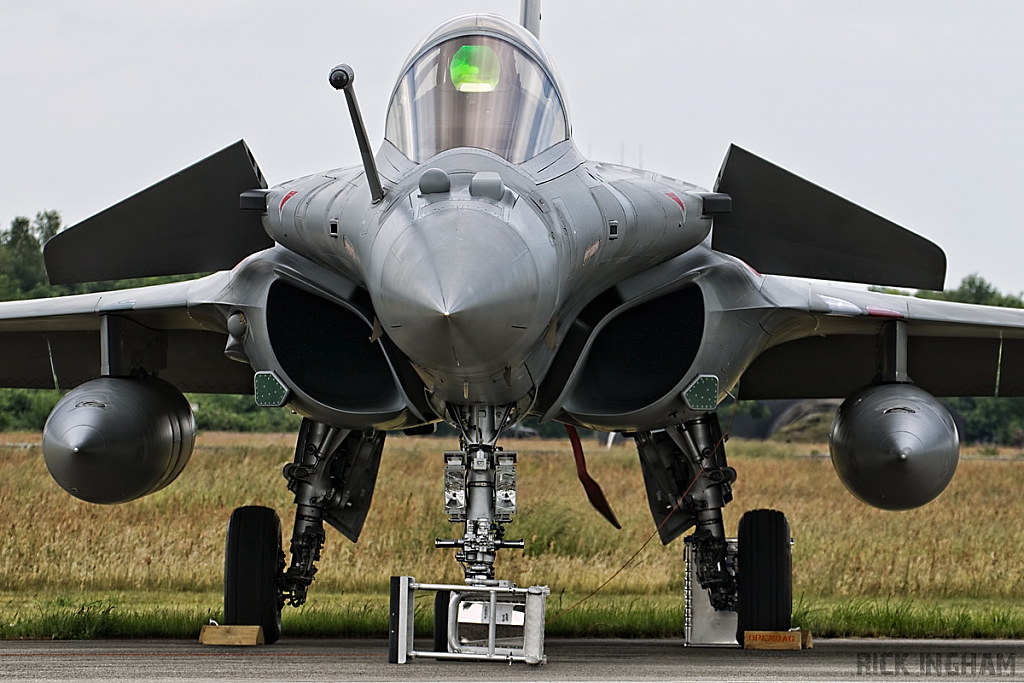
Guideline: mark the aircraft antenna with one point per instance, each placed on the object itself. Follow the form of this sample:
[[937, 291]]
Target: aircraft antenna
[[529, 16]]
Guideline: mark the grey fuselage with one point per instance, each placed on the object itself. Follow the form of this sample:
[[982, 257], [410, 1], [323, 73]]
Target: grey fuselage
[[478, 291]]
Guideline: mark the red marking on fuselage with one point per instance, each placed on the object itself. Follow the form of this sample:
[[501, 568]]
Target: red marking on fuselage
[[674, 197], [284, 200]]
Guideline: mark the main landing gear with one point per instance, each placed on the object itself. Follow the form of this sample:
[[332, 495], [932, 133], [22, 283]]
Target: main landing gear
[[253, 565], [332, 477], [764, 573], [688, 483]]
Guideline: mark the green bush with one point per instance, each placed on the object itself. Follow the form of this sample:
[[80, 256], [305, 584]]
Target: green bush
[[234, 413], [26, 410]]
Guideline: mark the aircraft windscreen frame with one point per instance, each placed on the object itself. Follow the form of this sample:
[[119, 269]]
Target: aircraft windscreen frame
[[517, 116]]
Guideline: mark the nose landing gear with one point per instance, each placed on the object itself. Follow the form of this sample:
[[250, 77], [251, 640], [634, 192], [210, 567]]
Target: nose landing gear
[[487, 619], [480, 492]]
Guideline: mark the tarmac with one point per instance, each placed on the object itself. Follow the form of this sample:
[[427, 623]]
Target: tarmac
[[568, 660]]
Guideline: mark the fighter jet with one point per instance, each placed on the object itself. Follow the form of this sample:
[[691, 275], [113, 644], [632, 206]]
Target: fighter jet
[[477, 270]]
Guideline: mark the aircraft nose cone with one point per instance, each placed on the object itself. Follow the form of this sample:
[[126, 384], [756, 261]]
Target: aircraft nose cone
[[459, 293]]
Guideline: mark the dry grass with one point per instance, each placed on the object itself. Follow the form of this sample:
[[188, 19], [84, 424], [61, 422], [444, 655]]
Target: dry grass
[[967, 544]]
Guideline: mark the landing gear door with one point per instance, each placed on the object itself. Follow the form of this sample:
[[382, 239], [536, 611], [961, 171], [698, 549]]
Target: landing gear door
[[357, 475], [660, 462]]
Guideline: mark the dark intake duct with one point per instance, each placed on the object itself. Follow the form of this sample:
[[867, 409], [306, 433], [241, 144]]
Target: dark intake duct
[[116, 439], [894, 446]]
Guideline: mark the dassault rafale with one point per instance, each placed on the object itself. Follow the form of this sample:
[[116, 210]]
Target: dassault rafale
[[477, 270]]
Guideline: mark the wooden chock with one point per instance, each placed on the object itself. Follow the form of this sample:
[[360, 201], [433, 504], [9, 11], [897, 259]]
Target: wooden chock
[[213, 634], [794, 639]]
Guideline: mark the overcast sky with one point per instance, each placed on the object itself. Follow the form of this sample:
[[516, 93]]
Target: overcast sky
[[911, 109]]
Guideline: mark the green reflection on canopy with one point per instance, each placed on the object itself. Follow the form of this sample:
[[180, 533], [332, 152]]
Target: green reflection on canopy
[[475, 68]]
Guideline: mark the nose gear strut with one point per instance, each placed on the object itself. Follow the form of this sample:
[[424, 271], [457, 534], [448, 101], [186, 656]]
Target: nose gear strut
[[480, 492]]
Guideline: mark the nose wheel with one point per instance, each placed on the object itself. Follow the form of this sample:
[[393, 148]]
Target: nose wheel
[[253, 565], [442, 599]]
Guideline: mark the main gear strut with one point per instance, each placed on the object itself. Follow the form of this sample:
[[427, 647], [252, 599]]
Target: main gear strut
[[688, 483], [332, 478]]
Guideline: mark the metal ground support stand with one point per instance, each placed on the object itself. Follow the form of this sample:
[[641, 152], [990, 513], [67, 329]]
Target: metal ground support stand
[[493, 605], [703, 625]]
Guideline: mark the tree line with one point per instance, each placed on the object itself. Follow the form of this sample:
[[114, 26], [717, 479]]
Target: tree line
[[23, 276], [988, 419]]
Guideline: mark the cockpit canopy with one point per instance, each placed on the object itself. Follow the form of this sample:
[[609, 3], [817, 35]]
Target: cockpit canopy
[[477, 81]]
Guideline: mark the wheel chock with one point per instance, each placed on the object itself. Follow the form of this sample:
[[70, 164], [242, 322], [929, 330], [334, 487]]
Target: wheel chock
[[215, 634], [793, 639]]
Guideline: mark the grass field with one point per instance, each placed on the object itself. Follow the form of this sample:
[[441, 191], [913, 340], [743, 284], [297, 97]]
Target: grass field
[[154, 566]]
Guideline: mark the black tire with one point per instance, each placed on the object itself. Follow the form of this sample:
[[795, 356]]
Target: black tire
[[441, 600], [764, 573], [253, 563]]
